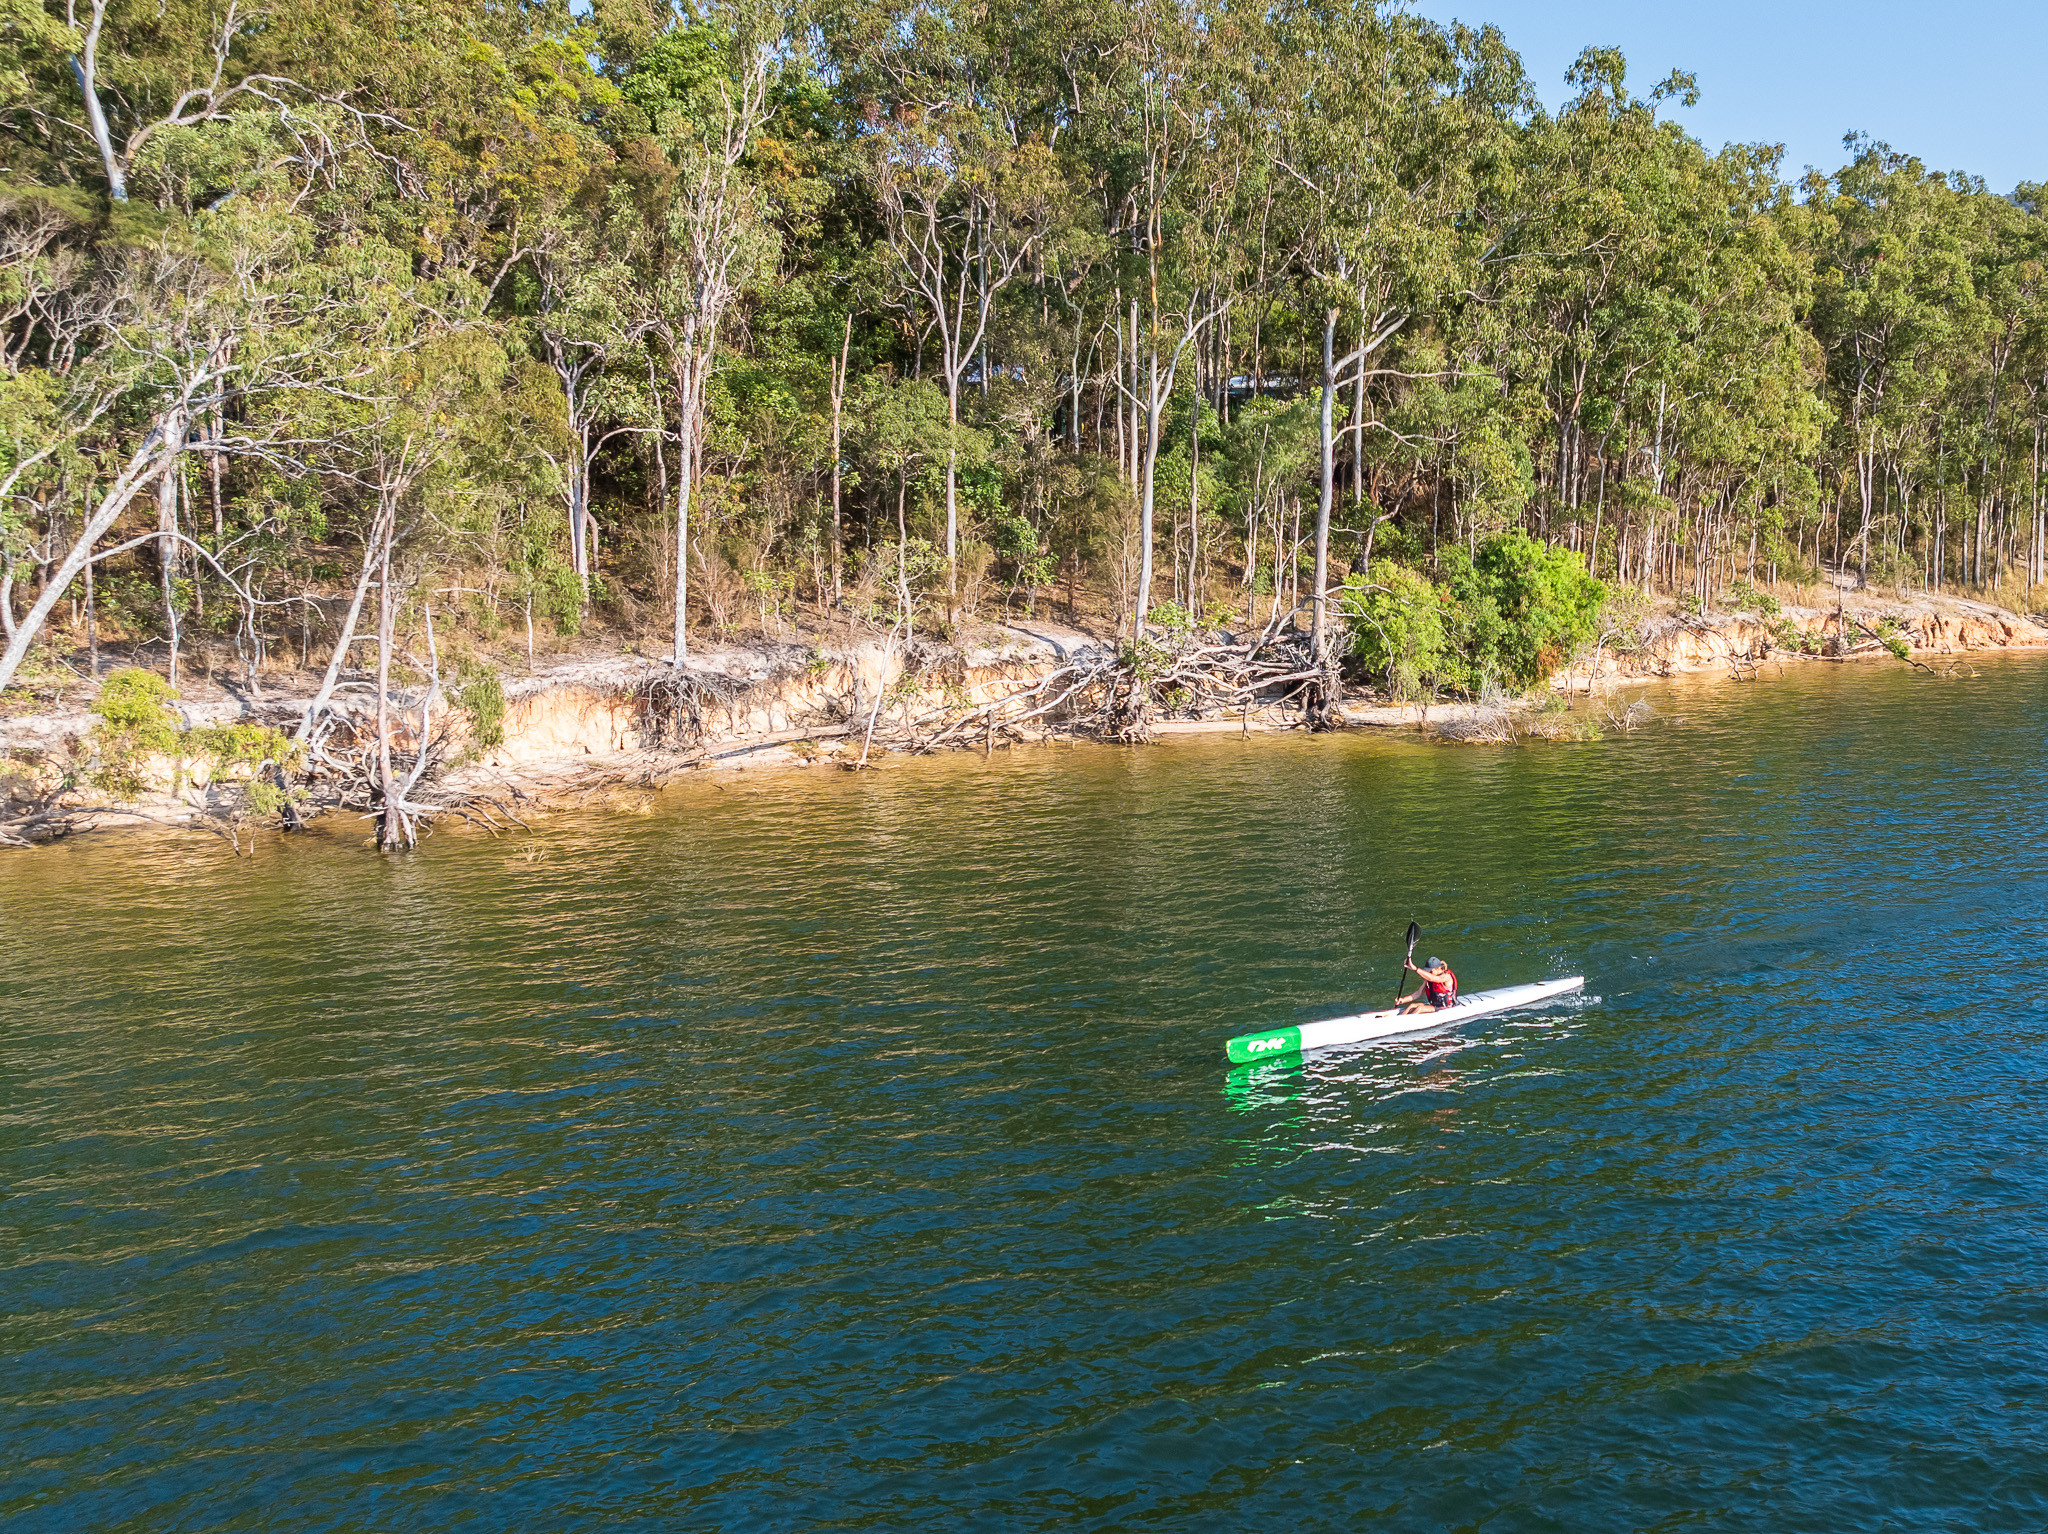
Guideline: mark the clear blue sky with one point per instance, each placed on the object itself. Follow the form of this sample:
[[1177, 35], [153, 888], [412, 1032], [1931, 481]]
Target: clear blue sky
[[1958, 84]]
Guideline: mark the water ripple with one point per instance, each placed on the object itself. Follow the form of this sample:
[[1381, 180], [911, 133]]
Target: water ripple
[[857, 1152]]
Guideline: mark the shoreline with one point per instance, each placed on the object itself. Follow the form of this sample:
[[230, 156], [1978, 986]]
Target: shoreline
[[580, 728]]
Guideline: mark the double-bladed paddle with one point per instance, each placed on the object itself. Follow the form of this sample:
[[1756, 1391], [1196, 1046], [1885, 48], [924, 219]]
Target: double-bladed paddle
[[1414, 932]]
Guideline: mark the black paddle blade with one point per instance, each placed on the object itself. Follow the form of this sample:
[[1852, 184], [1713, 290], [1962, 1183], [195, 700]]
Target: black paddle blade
[[1414, 932]]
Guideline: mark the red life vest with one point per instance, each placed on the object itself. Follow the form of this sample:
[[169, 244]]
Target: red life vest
[[1443, 993]]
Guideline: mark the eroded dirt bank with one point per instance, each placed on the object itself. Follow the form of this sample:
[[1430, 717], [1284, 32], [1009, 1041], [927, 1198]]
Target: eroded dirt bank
[[1930, 628], [583, 725]]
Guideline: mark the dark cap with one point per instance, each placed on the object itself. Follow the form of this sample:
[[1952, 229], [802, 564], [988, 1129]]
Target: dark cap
[[1435, 962]]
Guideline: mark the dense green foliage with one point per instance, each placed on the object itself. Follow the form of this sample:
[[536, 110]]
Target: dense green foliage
[[136, 705], [638, 320], [1511, 614], [1532, 605], [481, 694], [136, 722], [1400, 625]]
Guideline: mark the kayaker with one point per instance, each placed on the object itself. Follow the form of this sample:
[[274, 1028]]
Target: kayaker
[[1438, 990]]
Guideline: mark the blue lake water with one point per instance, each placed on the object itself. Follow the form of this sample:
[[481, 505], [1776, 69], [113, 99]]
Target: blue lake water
[[822, 1151]]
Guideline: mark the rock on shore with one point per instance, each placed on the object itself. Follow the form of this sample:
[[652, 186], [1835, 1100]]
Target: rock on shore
[[1929, 626]]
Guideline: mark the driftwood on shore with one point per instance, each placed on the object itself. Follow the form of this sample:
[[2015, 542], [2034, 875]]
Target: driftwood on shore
[[34, 807], [1117, 695], [345, 771], [1099, 693]]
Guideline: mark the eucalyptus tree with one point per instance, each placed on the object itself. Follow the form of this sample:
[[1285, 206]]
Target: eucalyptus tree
[[1997, 368], [114, 78], [1710, 321], [1892, 289], [1599, 223], [222, 322], [425, 360], [965, 192], [704, 85], [2019, 289], [902, 427], [84, 447], [1175, 145], [1381, 118], [594, 343]]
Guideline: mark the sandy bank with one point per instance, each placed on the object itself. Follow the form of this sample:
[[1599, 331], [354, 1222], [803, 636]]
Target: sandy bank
[[582, 725], [1933, 628]]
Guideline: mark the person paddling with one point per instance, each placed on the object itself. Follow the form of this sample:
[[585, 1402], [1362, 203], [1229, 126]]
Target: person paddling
[[1438, 990]]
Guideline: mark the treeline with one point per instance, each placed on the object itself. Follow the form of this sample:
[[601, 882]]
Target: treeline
[[326, 316]]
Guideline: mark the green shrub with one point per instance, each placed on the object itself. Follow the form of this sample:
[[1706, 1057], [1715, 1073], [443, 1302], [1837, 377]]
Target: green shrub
[[1524, 607], [1787, 635], [227, 746], [136, 722], [1171, 617], [263, 793], [480, 692], [137, 705], [1399, 628], [1016, 542], [1743, 597], [1514, 612]]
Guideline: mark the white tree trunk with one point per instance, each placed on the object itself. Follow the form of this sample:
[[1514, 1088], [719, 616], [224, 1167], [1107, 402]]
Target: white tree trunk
[[692, 371], [86, 71], [952, 493], [348, 626], [159, 449], [1327, 442], [686, 463], [1149, 448]]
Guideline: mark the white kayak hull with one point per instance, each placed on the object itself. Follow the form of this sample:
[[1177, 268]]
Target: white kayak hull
[[1364, 1027]]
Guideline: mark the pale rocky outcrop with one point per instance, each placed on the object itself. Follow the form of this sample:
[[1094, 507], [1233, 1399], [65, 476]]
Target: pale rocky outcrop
[[1931, 626]]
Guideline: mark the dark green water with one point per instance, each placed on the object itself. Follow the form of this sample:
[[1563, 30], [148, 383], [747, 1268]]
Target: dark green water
[[859, 1153]]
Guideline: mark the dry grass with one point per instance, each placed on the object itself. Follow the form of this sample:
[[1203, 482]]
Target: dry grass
[[2014, 593]]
